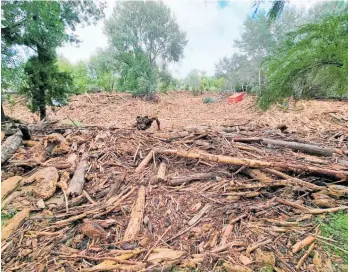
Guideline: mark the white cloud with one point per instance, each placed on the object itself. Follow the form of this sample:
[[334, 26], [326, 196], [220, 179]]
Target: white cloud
[[210, 33]]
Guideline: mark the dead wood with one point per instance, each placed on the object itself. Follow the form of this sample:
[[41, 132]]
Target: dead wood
[[161, 174], [10, 146], [175, 181], [295, 181], [254, 246], [14, 223], [306, 148], [9, 185], [200, 214], [78, 180], [303, 243], [258, 175], [144, 162], [305, 256], [229, 228], [309, 210], [115, 186], [253, 163], [136, 220]]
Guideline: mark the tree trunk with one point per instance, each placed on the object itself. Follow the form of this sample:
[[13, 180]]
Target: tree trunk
[[41, 97], [3, 116]]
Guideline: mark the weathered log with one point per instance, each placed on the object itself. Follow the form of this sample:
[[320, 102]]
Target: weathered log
[[253, 163], [136, 219], [78, 180], [175, 181], [306, 148], [10, 146], [144, 162]]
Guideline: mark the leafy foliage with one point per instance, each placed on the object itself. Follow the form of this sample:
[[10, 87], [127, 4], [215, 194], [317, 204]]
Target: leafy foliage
[[43, 26], [312, 62], [141, 33]]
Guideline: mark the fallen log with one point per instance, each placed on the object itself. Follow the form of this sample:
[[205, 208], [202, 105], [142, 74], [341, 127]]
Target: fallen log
[[10, 146], [175, 181], [306, 148], [78, 180], [253, 163], [136, 220]]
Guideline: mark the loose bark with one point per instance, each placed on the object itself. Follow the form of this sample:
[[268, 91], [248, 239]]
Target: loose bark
[[144, 162], [134, 224], [78, 180], [175, 181], [253, 163], [251, 248], [161, 174], [10, 146]]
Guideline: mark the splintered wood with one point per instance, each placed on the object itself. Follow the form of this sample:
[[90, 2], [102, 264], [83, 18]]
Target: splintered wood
[[135, 222], [228, 192]]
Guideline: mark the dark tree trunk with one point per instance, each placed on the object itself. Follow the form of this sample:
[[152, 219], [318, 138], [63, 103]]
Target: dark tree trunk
[[3, 116], [43, 57]]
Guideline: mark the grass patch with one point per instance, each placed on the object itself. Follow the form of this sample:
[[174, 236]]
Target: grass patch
[[5, 216], [209, 100], [335, 226]]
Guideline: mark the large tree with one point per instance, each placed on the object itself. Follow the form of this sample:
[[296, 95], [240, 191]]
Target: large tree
[[140, 33], [312, 62], [43, 26]]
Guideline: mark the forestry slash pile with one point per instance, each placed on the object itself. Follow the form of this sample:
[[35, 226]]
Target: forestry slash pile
[[230, 198]]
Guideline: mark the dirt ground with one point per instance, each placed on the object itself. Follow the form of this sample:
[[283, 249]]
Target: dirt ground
[[210, 192]]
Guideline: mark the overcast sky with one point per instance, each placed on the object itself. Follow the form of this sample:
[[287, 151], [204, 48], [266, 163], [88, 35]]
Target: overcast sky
[[211, 28]]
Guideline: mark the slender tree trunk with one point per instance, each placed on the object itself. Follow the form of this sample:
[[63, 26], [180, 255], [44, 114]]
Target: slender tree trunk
[[41, 98], [3, 116]]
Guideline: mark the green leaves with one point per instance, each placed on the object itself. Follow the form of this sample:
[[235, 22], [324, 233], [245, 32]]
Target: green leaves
[[312, 62], [141, 33]]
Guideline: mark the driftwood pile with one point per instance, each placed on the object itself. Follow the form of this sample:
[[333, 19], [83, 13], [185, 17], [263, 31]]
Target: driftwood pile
[[222, 199]]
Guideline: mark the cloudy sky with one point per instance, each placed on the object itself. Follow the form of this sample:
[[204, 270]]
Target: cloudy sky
[[211, 27]]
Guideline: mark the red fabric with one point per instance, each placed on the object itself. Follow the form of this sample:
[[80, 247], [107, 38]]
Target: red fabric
[[235, 98]]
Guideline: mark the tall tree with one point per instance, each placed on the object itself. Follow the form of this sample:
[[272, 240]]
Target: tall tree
[[141, 33], [43, 26], [313, 61]]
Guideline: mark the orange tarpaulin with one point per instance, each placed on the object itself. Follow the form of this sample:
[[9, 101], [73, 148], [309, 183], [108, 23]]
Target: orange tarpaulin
[[235, 98]]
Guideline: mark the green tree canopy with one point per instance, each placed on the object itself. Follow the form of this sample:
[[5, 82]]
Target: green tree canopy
[[140, 33], [43, 26]]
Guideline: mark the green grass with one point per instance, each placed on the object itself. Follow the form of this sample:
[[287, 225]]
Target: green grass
[[5, 216], [267, 268], [209, 100], [335, 226]]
